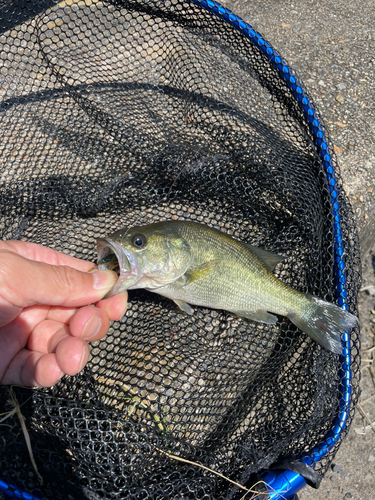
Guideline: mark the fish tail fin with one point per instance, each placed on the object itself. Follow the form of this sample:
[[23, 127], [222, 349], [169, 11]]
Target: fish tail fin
[[324, 323]]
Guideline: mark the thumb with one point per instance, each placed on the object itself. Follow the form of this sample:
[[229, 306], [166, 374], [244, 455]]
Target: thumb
[[25, 282]]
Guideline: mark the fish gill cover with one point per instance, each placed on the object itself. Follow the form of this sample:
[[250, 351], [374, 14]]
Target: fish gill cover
[[121, 113]]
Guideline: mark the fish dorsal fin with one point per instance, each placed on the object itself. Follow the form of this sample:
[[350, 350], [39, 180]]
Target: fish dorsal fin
[[269, 259]]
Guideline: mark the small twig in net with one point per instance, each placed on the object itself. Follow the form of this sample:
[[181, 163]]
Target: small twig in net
[[17, 411], [247, 490]]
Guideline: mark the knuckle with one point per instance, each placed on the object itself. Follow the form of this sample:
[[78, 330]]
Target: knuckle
[[68, 281], [11, 270]]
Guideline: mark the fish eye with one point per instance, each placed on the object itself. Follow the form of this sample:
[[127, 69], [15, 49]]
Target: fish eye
[[139, 241]]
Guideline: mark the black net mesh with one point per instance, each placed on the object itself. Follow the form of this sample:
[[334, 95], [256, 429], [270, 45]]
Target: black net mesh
[[123, 112]]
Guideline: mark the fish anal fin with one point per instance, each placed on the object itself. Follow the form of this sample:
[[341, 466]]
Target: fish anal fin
[[269, 259], [260, 315], [184, 306], [200, 272]]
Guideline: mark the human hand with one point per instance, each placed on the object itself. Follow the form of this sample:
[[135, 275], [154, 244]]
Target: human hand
[[47, 313]]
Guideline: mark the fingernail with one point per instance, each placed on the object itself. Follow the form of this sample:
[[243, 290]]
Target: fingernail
[[125, 307], [85, 357], [91, 328], [104, 280]]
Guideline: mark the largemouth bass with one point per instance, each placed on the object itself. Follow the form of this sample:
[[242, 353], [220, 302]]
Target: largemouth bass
[[191, 263]]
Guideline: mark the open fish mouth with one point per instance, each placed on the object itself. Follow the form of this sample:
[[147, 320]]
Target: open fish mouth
[[112, 257]]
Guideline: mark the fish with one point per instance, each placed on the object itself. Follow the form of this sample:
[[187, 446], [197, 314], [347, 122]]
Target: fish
[[194, 264]]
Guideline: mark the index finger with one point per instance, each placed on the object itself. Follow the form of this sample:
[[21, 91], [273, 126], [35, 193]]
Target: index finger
[[44, 254]]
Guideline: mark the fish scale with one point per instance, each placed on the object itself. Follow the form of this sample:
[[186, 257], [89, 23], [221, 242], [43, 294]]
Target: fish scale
[[240, 282]]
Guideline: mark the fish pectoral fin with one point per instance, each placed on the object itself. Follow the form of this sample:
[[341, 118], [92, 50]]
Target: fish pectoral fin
[[269, 259], [200, 272], [184, 306], [260, 315]]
